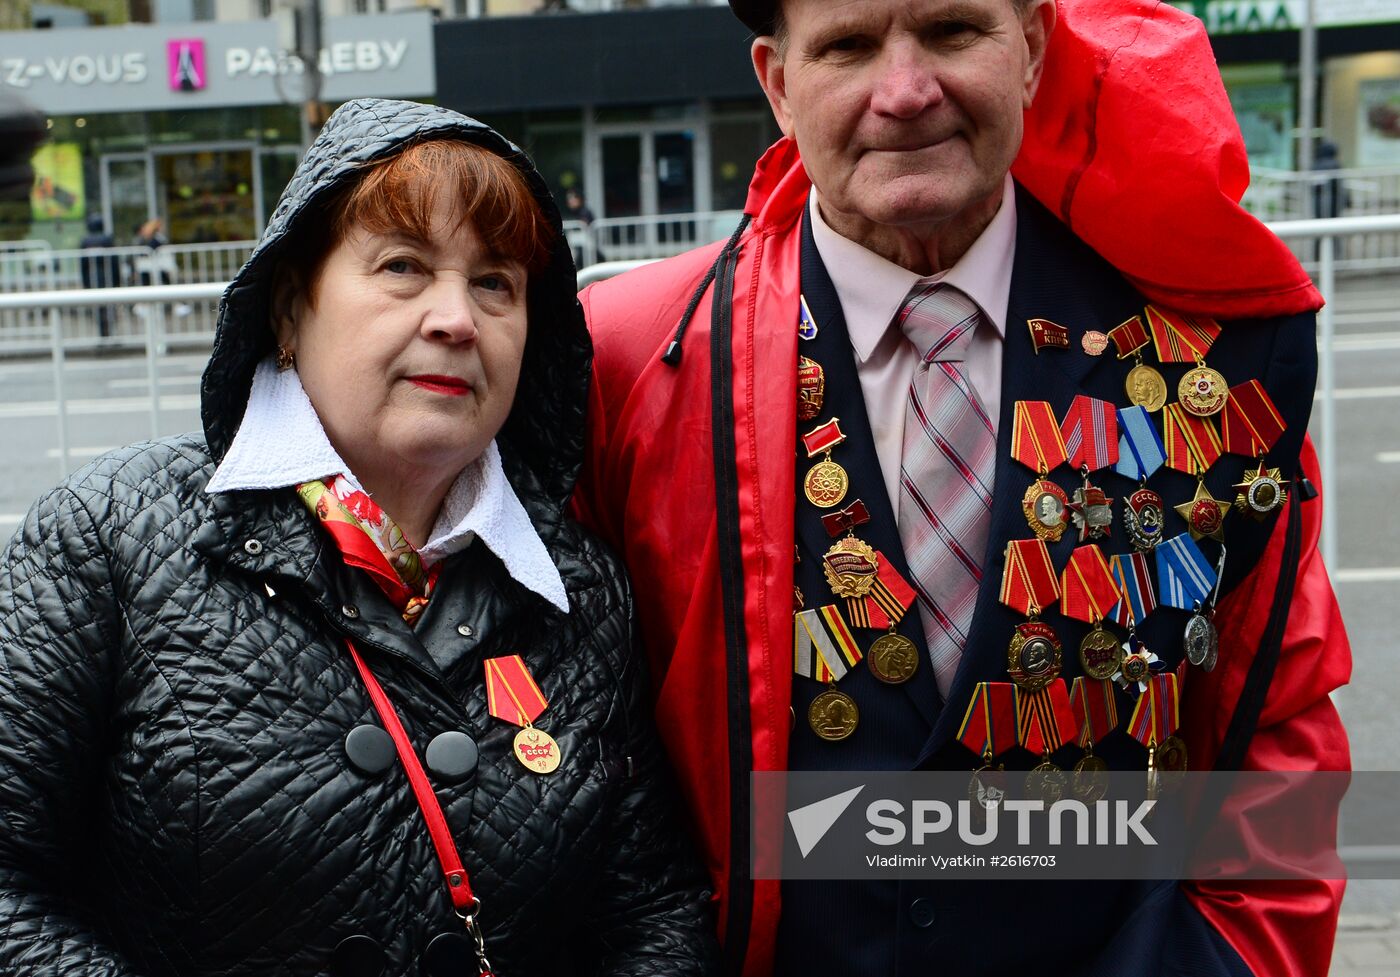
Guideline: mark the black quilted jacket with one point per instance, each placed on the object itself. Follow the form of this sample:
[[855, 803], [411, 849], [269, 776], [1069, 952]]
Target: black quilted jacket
[[177, 796]]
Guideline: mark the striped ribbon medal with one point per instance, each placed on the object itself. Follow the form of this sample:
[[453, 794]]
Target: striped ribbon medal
[[1095, 708], [513, 696], [1157, 716], [1140, 448], [1037, 443], [1192, 443], [1184, 575], [884, 605], [1134, 579], [1186, 339], [1090, 433], [1088, 592], [1251, 427], [824, 649], [1029, 585], [1145, 386], [1044, 723], [989, 726]]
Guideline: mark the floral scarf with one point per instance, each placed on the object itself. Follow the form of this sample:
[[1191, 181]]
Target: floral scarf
[[367, 538]]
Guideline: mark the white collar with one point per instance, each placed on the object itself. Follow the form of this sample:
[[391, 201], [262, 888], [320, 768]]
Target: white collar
[[281, 443], [871, 288]]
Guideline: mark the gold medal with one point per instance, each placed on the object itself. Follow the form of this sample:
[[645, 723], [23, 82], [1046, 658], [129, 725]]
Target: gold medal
[[811, 388], [1203, 391], [893, 658], [1045, 505], [1100, 654], [536, 750], [826, 484], [1261, 492], [833, 715], [850, 567], [1034, 658], [1090, 779], [1146, 388], [1171, 755], [1047, 781], [1204, 514]]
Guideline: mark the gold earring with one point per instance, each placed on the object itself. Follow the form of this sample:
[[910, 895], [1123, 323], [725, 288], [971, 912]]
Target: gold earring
[[286, 359]]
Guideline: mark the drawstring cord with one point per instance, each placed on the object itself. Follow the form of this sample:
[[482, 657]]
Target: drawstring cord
[[672, 356]]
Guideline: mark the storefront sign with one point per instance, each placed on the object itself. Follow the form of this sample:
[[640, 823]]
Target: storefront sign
[[215, 65], [1252, 16]]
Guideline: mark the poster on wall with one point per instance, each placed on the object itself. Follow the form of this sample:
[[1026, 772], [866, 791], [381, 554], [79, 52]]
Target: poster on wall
[[1379, 125], [1264, 111], [58, 182]]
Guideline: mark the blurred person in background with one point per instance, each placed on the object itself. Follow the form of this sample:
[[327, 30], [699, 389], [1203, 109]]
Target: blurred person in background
[[100, 271]]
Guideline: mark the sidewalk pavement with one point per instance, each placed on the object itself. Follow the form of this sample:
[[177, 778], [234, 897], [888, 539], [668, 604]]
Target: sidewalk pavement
[[1367, 946]]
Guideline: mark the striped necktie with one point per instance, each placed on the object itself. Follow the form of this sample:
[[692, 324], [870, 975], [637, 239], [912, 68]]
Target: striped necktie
[[945, 495]]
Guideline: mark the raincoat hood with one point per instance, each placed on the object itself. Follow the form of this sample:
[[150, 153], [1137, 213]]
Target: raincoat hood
[[542, 441]]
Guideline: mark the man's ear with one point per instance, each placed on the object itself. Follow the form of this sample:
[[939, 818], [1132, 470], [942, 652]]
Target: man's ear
[[768, 66], [1037, 24], [287, 303]]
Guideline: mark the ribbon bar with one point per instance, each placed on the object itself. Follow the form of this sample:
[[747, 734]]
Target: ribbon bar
[[855, 514], [1088, 591], [511, 692], [989, 725], [1090, 433], [823, 437], [1095, 709], [1252, 424], [1181, 338], [1129, 337]]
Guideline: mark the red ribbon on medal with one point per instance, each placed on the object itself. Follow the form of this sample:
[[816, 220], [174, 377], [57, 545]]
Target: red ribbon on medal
[[511, 692], [1192, 442], [1035, 437], [1046, 333], [823, 437], [1130, 337], [1157, 713], [1252, 424], [886, 603], [1090, 433], [1087, 588], [1181, 338], [1134, 582], [1044, 719], [1095, 709], [989, 725], [1029, 584], [855, 514]]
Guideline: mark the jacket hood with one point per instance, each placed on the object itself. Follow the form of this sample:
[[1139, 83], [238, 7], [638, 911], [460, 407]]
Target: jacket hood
[[542, 441]]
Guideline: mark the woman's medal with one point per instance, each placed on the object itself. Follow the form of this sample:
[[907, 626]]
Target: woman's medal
[[513, 696]]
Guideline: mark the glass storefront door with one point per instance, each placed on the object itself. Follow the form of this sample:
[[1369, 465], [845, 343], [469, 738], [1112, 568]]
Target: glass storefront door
[[127, 192], [648, 171]]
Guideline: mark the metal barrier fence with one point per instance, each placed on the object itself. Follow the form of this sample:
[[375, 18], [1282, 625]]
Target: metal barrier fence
[[1283, 195], [50, 318]]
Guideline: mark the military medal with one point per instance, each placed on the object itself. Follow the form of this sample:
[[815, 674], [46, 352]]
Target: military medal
[[1184, 575], [1143, 518], [1201, 641], [1028, 586], [1192, 443], [1095, 710], [1091, 510], [1186, 339], [825, 650], [1136, 667], [1261, 493], [513, 696], [1134, 580], [811, 388], [1204, 514], [1171, 755], [875, 593], [1036, 442], [826, 482], [988, 729], [1252, 424], [1090, 432], [1145, 386], [806, 325], [1202, 391], [1044, 723], [1046, 333], [1140, 448], [1156, 715], [1089, 593]]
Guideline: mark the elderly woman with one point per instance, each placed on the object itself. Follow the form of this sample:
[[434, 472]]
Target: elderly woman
[[336, 687]]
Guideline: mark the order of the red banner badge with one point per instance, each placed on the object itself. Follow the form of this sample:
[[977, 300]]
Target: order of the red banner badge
[[1089, 593], [1029, 585], [826, 482], [1251, 427], [1186, 339], [1145, 386], [989, 729], [824, 650], [1090, 433], [1046, 333], [1095, 708], [1044, 723], [1036, 442], [512, 696], [811, 388]]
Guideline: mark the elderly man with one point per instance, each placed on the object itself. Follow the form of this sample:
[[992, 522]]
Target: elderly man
[[908, 441]]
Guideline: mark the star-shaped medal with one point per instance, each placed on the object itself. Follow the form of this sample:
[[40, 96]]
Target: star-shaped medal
[[1261, 492], [1204, 515]]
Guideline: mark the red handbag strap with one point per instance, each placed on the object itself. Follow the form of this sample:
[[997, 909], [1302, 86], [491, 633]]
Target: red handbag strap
[[459, 885]]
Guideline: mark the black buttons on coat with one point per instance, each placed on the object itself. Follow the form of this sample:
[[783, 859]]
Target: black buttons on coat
[[921, 913], [370, 749], [451, 756], [358, 956], [449, 955]]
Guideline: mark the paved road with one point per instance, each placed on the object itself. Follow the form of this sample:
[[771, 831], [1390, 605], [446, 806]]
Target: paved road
[[109, 405]]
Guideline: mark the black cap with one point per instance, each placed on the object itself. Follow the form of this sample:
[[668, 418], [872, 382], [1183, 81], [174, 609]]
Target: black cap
[[757, 15]]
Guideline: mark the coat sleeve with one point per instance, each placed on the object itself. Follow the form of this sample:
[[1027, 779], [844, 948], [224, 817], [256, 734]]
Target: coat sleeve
[[1279, 926], [653, 914], [58, 629]]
